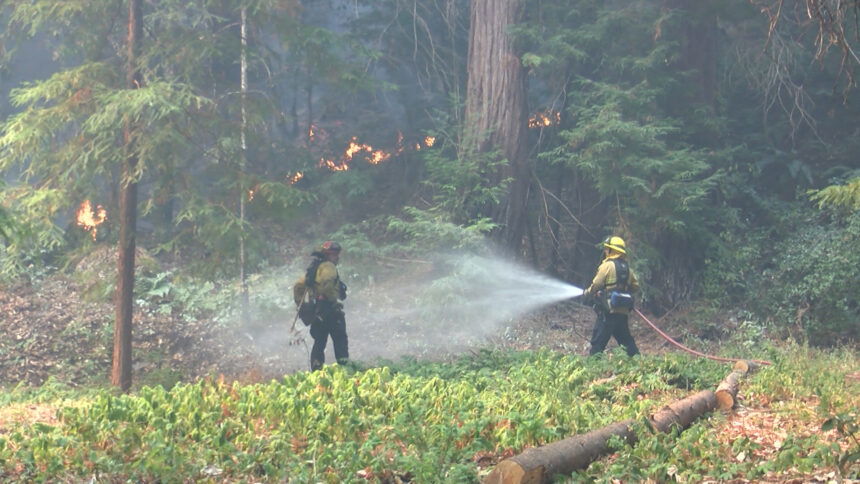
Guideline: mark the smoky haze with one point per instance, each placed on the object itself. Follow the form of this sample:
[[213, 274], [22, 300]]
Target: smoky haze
[[431, 309], [434, 310]]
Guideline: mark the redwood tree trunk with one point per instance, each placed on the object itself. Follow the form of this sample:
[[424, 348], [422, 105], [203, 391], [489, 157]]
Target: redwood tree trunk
[[496, 117], [121, 371], [699, 45]]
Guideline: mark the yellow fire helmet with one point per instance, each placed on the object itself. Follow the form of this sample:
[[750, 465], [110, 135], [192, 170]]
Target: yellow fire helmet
[[615, 243]]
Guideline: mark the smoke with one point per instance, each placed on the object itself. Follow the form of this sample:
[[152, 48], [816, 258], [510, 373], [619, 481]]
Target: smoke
[[448, 306]]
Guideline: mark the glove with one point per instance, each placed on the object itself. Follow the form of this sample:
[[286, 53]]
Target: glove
[[342, 288], [597, 300], [587, 296]]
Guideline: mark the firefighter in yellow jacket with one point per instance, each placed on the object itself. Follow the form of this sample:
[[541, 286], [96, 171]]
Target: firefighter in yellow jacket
[[324, 290], [612, 293]]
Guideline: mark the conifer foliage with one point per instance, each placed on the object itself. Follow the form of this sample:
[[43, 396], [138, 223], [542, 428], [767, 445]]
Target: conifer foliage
[[685, 127]]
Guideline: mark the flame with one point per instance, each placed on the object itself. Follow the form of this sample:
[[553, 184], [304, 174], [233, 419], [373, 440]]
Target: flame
[[90, 219], [357, 149], [295, 177], [311, 134], [378, 157], [331, 165], [251, 194], [544, 119]]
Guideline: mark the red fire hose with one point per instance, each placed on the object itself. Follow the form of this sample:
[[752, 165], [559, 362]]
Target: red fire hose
[[697, 353]]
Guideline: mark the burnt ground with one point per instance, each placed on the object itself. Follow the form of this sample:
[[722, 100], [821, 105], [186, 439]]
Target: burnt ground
[[50, 330]]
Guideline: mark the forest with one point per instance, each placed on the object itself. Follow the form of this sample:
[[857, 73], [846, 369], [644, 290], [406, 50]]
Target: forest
[[167, 168]]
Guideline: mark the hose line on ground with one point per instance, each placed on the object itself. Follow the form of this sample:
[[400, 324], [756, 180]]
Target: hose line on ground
[[689, 350]]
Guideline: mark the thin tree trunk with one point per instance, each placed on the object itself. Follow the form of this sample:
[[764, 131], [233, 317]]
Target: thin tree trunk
[[122, 358], [243, 82], [496, 108], [530, 236], [310, 102], [554, 223]]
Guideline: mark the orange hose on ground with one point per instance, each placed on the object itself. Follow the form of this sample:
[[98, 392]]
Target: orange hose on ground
[[697, 353]]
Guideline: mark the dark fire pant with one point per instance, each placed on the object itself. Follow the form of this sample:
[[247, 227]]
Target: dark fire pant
[[333, 323], [612, 325]]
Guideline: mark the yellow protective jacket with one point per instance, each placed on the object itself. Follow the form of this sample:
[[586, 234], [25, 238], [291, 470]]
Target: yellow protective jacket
[[606, 278], [327, 285]]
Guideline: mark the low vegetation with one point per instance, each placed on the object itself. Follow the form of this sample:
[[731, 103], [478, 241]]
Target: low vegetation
[[432, 422]]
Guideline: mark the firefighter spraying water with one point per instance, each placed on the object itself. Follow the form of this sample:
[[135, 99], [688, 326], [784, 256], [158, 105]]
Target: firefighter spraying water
[[443, 305], [448, 304]]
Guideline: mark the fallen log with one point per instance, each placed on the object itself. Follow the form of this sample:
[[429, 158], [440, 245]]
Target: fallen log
[[745, 366], [538, 464], [683, 412], [727, 391], [541, 464]]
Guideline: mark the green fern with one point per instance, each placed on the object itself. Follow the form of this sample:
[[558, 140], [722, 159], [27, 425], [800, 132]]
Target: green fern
[[845, 196]]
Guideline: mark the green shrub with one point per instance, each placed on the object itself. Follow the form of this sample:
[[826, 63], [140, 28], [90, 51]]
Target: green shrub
[[812, 283]]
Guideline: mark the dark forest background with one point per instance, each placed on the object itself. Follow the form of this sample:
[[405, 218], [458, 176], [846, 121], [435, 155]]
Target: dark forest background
[[720, 139]]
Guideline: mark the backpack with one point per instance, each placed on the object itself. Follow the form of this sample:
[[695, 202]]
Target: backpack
[[619, 299], [308, 305], [311, 272]]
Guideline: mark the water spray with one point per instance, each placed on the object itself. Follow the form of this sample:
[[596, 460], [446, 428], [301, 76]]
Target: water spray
[[467, 300], [454, 303]]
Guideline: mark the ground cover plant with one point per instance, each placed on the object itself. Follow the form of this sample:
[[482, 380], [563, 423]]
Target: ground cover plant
[[432, 422]]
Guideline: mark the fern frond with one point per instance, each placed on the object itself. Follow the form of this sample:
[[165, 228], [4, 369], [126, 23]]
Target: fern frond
[[840, 196]]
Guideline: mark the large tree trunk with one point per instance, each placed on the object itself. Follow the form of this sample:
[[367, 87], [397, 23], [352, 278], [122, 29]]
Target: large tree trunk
[[121, 371], [541, 464], [496, 108], [699, 48]]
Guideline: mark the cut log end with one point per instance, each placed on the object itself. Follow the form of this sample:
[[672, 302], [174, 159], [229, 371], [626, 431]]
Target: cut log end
[[727, 391], [509, 471], [745, 366], [725, 400]]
